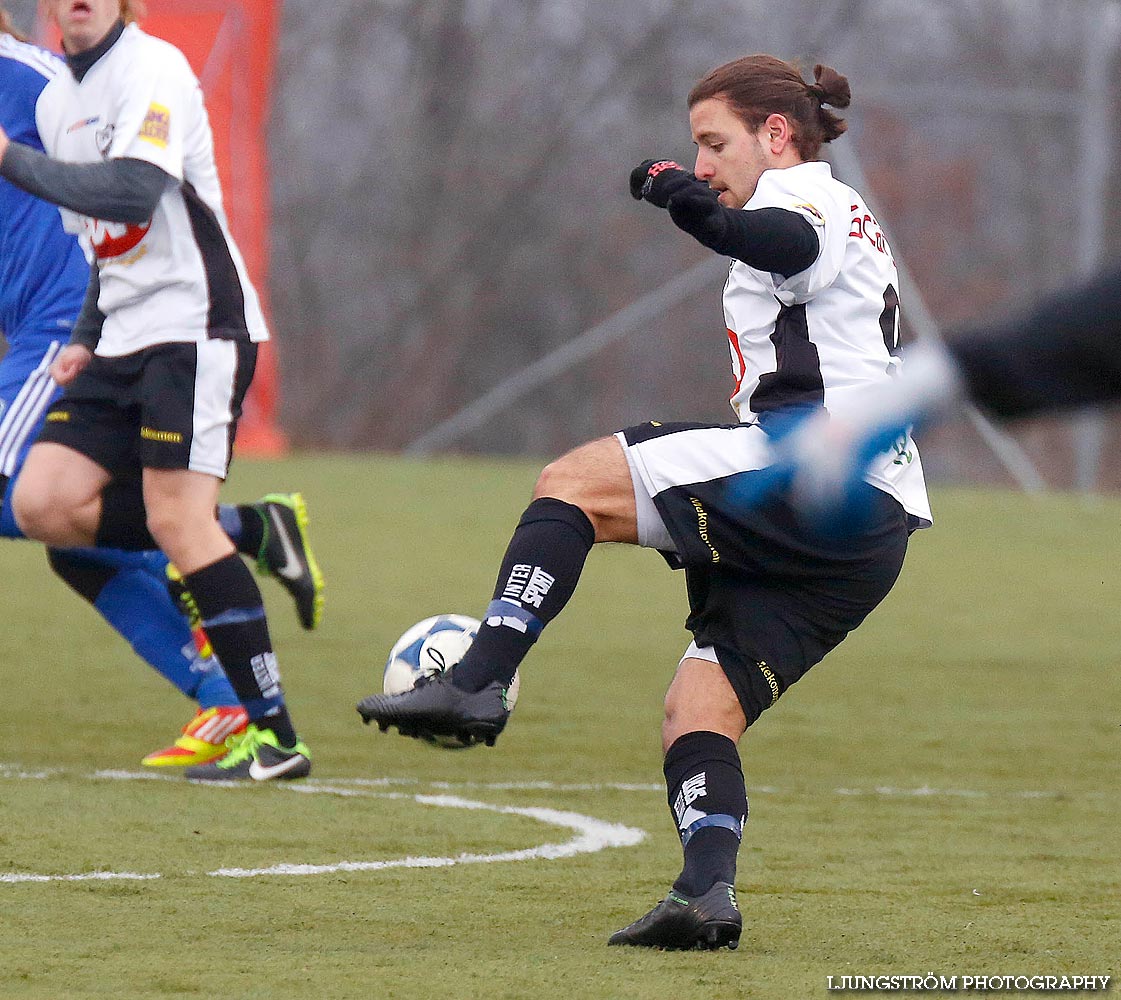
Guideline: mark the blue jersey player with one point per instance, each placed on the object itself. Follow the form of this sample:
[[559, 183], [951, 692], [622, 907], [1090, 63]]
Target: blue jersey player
[[43, 278]]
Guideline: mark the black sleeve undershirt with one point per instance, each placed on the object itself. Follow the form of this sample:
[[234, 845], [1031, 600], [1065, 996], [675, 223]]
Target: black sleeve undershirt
[[87, 327], [120, 190], [769, 239], [1065, 353]]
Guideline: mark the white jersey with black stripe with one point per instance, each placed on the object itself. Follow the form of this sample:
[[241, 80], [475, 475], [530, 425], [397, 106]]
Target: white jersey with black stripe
[[822, 336], [178, 277]]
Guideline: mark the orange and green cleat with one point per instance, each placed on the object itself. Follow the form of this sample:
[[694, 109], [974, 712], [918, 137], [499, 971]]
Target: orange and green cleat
[[203, 739]]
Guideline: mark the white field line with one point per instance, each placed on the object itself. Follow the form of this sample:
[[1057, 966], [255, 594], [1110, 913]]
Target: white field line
[[12, 878], [591, 835], [883, 791]]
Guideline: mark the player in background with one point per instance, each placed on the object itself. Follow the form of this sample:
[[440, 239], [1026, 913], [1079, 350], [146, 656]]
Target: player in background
[[141, 440], [1064, 353], [43, 276], [811, 310]]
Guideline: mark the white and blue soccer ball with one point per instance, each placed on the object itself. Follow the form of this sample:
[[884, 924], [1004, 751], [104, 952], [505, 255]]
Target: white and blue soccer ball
[[430, 647]]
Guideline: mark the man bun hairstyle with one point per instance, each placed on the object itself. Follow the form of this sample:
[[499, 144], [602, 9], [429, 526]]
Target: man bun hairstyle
[[761, 85]]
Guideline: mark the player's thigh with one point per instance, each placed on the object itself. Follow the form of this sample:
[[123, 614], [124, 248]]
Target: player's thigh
[[596, 478], [701, 699]]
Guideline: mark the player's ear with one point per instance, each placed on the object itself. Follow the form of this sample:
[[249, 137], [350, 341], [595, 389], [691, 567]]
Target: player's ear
[[777, 132]]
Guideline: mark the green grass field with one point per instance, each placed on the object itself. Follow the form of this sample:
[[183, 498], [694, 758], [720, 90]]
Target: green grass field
[[940, 795]]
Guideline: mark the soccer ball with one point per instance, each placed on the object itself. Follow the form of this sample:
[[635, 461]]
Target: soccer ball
[[431, 647]]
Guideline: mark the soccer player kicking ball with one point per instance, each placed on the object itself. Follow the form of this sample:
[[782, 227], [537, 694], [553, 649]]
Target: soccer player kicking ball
[[811, 310], [162, 353]]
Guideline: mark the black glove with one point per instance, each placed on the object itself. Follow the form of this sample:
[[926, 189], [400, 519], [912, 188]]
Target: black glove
[[659, 180], [696, 209]]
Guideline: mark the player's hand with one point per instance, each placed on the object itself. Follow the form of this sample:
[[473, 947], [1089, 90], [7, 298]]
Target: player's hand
[[3, 143], [70, 363], [657, 181]]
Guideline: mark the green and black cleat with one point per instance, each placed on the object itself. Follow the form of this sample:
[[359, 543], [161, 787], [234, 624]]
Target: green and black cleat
[[255, 755], [436, 709], [681, 922], [286, 553]]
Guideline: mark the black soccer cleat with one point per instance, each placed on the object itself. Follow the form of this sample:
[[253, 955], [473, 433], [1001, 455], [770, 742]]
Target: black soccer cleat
[[437, 708], [680, 922], [286, 553]]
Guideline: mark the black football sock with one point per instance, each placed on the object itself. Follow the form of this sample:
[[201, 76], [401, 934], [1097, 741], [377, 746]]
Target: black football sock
[[708, 800], [539, 573], [83, 576], [233, 616]]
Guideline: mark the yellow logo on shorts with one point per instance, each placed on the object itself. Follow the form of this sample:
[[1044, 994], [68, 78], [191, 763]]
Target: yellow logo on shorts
[[156, 127], [164, 437], [58, 416], [772, 681], [702, 527]]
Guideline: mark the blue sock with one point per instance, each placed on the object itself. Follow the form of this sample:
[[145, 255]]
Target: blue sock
[[136, 603], [229, 517], [129, 589]]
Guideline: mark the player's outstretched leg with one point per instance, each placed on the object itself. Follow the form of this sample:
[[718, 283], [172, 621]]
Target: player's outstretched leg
[[274, 531], [539, 573]]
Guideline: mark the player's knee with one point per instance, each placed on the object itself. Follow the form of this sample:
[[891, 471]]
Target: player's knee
[[560, 480], [189, 536], [167, 527], [40, 513], [714, 715]]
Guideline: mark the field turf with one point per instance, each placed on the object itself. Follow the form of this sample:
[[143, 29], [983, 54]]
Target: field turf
[[940, 795]]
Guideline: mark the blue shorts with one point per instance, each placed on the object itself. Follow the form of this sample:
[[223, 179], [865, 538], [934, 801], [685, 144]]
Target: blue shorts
[[26, 393]]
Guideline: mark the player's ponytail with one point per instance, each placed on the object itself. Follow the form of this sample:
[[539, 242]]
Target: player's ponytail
[[830, 87], [7, 28]]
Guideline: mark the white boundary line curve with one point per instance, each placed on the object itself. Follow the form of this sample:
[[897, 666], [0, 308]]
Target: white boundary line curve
[[591, 835]]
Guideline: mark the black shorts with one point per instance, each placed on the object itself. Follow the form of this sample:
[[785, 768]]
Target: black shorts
[[769, 593], [173, 406]]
